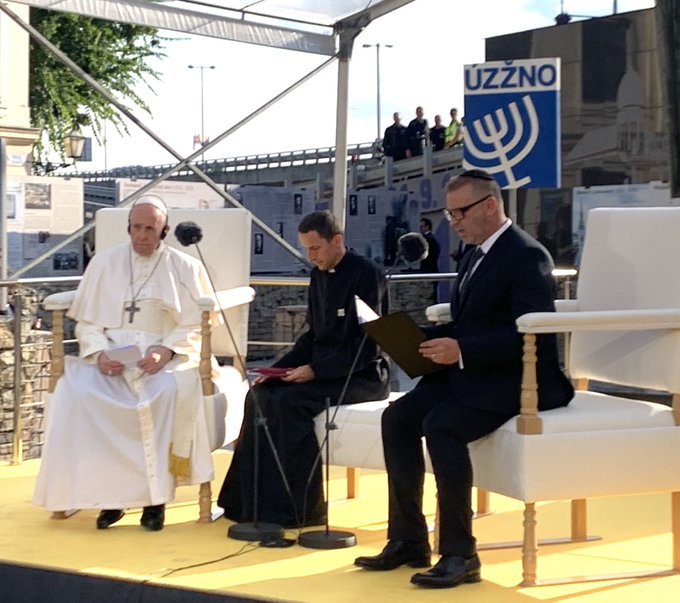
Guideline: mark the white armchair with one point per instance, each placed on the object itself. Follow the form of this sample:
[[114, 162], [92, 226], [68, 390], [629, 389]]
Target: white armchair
[[226, 250], [625, 326]]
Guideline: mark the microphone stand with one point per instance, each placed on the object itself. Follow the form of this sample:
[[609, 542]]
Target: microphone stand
[[255, 530], [339, 539], [327, 538]]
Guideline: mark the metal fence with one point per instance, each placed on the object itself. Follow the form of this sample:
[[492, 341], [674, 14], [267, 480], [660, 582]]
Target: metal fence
[[30, 377]]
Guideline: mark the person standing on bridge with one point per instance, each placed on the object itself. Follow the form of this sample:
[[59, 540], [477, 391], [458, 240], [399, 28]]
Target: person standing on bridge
[[394, 141]]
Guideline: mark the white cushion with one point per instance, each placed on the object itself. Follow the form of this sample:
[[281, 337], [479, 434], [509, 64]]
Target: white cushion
[[596, 446], [357, 442], [230, 382]]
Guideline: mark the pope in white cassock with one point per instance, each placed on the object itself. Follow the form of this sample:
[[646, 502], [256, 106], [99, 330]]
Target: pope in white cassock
[[124, 435]]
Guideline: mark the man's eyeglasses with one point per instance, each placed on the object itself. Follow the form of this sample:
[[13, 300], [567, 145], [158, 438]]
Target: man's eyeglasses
[[459, 212]]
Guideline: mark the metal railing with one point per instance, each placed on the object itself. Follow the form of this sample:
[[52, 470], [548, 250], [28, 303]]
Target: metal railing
[[564, 276], [361, 152]]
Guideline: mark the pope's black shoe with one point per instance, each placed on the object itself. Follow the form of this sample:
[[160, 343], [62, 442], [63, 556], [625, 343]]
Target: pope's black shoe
[[108, 517], [449, 571], [397, 553], [153, 518]]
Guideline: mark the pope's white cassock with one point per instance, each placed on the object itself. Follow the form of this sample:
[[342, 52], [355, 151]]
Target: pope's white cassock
[[127, 441]]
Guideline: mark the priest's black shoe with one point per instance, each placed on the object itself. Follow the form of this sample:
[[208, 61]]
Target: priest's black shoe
[[153, 518], [449, 571], [108, 517], [397, 553]]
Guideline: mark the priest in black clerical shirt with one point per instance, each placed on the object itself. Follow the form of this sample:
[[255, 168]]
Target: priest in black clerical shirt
[[318, 364]]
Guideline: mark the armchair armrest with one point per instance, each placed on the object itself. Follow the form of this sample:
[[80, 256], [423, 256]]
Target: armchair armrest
[[599, 320], [59, 301], [566, 305], [229, 298], [438, 313]]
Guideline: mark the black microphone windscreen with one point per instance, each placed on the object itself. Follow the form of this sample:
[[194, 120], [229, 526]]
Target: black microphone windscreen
[[412, 247], [188, 233]]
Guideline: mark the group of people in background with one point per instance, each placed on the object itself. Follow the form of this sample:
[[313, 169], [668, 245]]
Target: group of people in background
[[402, 142]]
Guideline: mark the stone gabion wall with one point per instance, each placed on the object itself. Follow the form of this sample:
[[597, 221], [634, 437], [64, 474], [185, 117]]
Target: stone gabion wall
[[34, 379], [278, 313]]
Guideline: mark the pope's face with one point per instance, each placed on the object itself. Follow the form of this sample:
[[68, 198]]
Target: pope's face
[[146, 227], [324, 254]]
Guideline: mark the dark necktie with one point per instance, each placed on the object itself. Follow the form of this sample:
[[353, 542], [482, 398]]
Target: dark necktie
[[475, 255]]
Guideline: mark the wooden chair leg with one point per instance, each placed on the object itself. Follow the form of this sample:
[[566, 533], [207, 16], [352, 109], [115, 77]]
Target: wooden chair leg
[[205, 503], [529, 546], [579, 528], [675, 528], [482, 503], [353, 482]]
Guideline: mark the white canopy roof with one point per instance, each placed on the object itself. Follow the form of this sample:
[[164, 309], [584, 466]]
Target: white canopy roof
[[324, 27], [303, 25]]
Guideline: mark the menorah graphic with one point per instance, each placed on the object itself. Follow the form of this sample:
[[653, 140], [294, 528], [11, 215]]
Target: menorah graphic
[[503, 144]]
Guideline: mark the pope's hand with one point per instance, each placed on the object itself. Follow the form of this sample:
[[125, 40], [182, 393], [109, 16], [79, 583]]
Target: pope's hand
[[156, 358], [109, 367]]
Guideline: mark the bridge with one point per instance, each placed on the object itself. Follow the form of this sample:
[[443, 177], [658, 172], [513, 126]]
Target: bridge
[[307, 168]]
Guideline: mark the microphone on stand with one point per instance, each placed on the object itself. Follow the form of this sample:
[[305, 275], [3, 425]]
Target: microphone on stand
[[411, 247], [190, 233]]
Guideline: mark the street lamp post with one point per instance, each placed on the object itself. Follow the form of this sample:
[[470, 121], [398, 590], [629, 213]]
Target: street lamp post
[[202, 68], [377, 74]]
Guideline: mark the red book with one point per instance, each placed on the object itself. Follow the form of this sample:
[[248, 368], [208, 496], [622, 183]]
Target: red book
[[270, 371]]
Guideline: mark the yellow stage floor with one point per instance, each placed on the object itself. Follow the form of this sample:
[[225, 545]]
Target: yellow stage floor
[[635, 533]]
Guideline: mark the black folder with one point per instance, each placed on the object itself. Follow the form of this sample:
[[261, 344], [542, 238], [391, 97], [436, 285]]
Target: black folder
[[400, 338]]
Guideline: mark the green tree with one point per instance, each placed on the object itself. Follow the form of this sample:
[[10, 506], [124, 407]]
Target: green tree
[[115, 54]]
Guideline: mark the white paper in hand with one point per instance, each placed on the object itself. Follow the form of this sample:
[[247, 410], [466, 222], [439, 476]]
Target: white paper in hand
[[125, 354], [364, 312]]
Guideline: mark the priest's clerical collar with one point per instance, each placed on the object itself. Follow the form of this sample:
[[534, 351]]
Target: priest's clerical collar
[[339, 264]]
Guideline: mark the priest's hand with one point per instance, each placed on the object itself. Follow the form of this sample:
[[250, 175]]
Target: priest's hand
[[156, 358], [109, 367], [300, 374]]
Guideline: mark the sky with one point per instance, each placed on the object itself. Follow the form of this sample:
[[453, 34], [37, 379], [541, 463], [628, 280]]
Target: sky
[[431, 42]]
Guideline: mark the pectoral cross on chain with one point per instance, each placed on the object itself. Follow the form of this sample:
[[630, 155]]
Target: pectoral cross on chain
[[131, 309]]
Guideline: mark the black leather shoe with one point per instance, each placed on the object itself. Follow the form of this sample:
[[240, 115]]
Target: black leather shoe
[[108, 517], [449, 571], [397, 553], [153, 518]]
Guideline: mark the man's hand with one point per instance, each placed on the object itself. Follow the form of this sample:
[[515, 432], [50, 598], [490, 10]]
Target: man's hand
[[301, 374], [442, 350], [156, 358], [109, 367]]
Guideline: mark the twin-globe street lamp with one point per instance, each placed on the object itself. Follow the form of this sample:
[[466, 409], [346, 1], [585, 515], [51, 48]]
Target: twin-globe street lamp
[[377, 71], [202, 68]]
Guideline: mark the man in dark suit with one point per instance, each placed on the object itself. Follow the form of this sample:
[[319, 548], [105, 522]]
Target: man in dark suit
[[478, 389], [430, 264]]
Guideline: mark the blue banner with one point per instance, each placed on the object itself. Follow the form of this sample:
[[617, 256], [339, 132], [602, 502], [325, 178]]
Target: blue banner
[[512, 121]]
